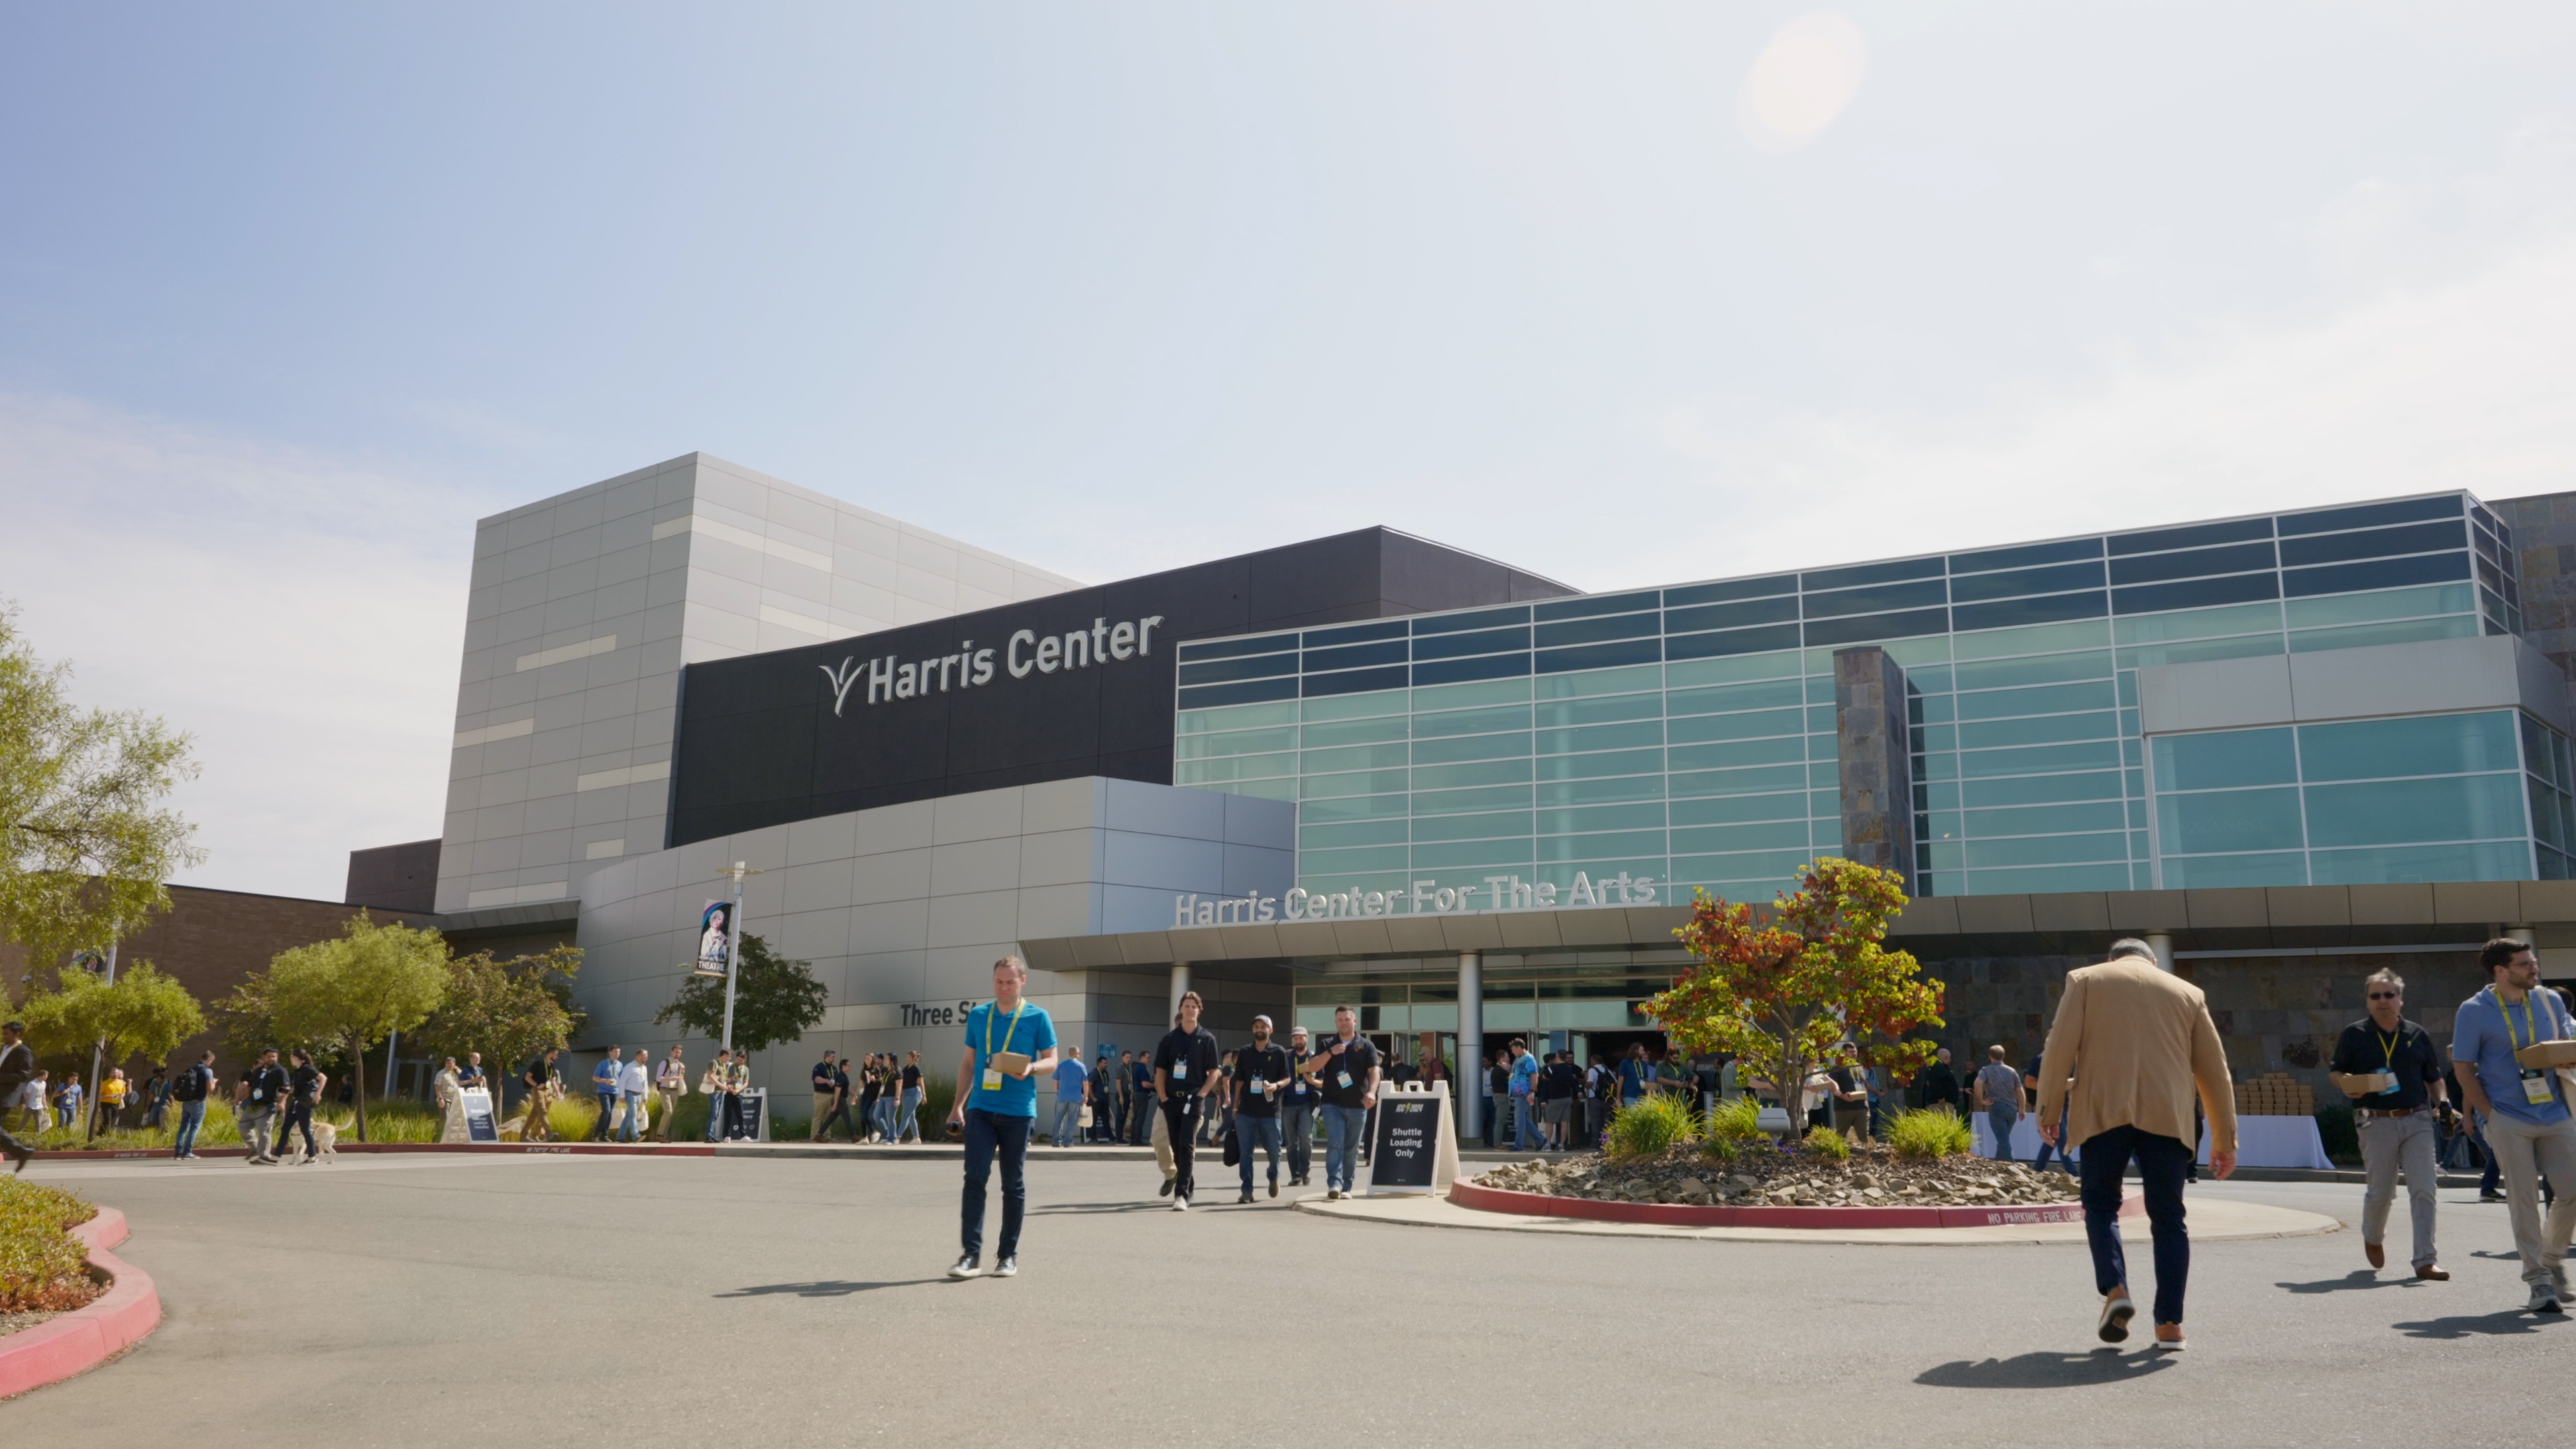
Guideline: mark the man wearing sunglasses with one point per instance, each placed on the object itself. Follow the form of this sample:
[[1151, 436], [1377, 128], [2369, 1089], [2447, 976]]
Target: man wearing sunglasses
[[2394, 1074]]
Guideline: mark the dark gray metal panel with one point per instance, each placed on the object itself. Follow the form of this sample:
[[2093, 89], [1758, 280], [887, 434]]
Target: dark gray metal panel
[[1871, 746], [395, 877]]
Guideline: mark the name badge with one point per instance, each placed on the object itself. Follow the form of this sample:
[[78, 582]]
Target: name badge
[[992, 1080], [1180, 1071], [1341, 1079], [1259, 1086], [256, 1095], [2535, 1088]]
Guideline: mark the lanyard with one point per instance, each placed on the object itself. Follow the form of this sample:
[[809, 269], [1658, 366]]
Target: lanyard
[[2388, 1045], [2527, 1024], [1007, 1032]]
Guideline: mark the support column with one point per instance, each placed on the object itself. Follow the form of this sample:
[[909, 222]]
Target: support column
[[1172, 1008], [2162, 941], [1469, 1087]]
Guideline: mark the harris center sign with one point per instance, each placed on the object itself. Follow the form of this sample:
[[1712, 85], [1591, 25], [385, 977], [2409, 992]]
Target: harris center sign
[[891, 677], [1416, 898]]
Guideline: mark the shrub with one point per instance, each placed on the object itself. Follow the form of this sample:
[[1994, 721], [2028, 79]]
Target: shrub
[[1827, 1143], [1929, 1132], [42, 1266], [1720, 1149], [2340, 1132], [1651, 1126], [1737, 1119]]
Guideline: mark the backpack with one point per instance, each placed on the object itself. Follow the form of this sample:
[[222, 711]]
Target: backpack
[[189, 1085]]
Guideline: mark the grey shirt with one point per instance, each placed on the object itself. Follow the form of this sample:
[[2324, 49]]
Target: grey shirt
[[2002, 1084]]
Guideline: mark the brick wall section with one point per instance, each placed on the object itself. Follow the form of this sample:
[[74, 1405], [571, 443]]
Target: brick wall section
[[2274, 1013], [210, 940]]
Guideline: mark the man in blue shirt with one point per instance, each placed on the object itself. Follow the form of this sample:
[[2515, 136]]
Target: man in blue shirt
[[2525, 1108], [1008, 1042], [1525, 1124], [1071, 1076], [603, 1085]]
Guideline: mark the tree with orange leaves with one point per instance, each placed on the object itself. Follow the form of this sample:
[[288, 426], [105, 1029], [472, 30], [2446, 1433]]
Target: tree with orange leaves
[[1807, 986]]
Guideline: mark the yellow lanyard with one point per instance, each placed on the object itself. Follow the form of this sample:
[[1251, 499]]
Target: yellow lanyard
[[1007, 1032], [2388, 1046], [2507, 1013]]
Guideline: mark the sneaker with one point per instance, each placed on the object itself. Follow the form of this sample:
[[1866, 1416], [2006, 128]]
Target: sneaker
[[1180, 1204], [2544, 1298], [2173, 1343], [1166, 1189], [1009, 1267], [2490, 1197], [1332, 1194], [2117, 1310], [966, 1267], [1244, 1200], [1274, 1187]]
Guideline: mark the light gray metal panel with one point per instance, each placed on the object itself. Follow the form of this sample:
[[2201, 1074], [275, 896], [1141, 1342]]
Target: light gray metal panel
[[2214, 694], [2421, 678], [1165, 810]]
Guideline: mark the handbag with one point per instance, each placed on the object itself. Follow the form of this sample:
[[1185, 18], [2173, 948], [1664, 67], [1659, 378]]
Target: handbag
[[1233, 1150], [1086, 1114]]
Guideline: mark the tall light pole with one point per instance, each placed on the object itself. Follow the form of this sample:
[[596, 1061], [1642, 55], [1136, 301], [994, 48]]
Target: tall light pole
[[733, 947], [98, 1052]]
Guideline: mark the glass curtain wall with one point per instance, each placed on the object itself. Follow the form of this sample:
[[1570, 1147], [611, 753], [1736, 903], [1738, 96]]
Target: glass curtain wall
[[1687, 733]]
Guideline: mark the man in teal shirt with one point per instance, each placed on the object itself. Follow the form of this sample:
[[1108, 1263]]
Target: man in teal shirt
[[997, 1105]]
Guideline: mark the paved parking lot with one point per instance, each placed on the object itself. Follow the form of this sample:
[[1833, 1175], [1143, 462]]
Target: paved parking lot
[[404, 1300]]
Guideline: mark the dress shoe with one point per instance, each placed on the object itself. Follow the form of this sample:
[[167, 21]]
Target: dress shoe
[[2377, 1255], [2117, 1310], [2433, 1272]]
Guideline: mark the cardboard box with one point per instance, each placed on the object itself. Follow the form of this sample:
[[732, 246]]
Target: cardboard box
[[2548, 1054]]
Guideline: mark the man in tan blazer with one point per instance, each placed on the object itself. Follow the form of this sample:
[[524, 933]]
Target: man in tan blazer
[[2136, 1040]]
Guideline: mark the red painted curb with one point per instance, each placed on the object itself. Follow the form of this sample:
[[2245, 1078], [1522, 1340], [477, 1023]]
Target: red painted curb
[[1468, 1193], [613, 1149], [84, 1338]]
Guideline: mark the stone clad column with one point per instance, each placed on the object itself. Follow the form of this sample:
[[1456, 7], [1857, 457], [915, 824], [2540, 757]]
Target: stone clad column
[[1469, 1085], [1180, 983], [1873, 747]]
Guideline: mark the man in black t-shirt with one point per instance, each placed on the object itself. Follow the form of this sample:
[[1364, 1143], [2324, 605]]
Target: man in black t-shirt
[[1563, 1084], [1498, 1099], [1261, 1078], [1184, 1073], [2393, 1072], [303, 1089], [256, 1098], [1346, 1072]]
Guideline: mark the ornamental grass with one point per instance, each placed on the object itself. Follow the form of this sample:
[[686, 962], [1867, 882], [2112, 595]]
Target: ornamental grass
[[43, 1268], [1925, 1133], [1651, 1126]]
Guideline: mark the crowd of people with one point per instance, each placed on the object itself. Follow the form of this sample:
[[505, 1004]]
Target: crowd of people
[[880, 1103]]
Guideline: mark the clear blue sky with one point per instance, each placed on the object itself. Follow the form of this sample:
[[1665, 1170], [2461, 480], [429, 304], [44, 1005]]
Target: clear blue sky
[[290, 295]]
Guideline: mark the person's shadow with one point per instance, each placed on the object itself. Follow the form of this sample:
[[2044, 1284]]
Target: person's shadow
[[825, 1289], [2358, 1278], [2479, 1325], [2047, 1370], [1097, 1208]]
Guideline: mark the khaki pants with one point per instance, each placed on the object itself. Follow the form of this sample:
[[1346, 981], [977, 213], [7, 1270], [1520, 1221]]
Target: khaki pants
[[662, 1121], [1162, 1140], [258, 1122], [2523, 1152], [822, 1109], [2388, 1144]]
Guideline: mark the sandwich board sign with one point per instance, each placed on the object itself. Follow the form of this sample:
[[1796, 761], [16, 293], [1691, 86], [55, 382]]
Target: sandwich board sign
[[1412, 1148], [479, 1126]]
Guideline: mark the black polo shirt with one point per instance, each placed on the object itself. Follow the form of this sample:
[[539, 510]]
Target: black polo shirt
[[1195, 1050], [2408, 1051], [267, 1084], [1269, 1064], [1355, 1060]]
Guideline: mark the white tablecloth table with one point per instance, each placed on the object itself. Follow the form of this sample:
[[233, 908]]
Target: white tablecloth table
[[2275, 1142]]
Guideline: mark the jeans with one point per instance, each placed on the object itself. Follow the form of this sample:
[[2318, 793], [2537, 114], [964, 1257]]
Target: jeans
[[903, 1121], [1297, 1127], [988, 1134], [715, 1115], [2387, 1144], [607, 1115], [634, 1114], [1525, 1125], [1068, 1121], [2065, 1157], [192, 1117], [255, 1125], [298, 1113], [2161, 1164], [1344, 1127], [1180, 1124], [2525, 1152], [1999, 1124], [1251, 1132]]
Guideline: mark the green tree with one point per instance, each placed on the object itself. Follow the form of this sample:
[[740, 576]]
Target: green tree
[[145, 1014], [352, 991], [507, 1010], [85, 840], [1809, 987], [775, 1000]]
